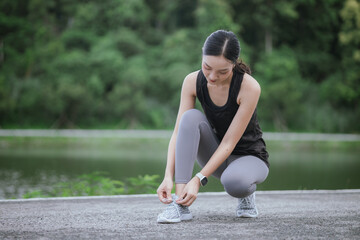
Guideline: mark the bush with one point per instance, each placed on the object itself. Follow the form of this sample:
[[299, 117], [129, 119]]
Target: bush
[[95, 184]]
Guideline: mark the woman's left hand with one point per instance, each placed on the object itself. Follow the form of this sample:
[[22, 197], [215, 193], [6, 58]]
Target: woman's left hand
[[189, 194]]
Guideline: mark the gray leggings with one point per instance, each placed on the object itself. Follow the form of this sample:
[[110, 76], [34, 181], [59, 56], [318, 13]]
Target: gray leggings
[[196, 139]]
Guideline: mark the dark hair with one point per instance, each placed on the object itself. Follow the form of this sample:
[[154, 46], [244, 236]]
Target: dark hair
[[225, 43]]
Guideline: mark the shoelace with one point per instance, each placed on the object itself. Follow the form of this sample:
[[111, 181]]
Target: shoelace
[[246, 202], [173, 205]]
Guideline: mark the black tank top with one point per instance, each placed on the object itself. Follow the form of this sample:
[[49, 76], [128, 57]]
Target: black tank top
[[220, 118]]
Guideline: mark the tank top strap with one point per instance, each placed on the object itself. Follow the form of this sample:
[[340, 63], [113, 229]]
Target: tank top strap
[[199, 86], [234, 92]]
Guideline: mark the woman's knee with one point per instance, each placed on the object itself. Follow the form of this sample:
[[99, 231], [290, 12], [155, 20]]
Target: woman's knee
[[192, 114], [191, 117], [237, 187]]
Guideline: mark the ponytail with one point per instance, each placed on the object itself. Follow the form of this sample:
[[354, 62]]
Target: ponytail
[[241, 67]]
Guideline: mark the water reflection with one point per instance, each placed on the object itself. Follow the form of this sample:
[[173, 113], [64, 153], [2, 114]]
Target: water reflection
[[30, 165]]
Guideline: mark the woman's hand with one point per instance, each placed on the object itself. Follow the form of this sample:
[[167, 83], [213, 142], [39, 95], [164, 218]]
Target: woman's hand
[[189, 194], [164, 190]]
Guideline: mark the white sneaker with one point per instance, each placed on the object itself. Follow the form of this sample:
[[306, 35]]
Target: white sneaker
[[247, 207], [174, 213]]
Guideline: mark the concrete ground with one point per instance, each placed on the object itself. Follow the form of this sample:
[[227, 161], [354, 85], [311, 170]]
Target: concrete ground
[[283, 215]]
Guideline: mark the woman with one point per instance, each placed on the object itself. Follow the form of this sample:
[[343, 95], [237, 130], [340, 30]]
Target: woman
[[226, 140]]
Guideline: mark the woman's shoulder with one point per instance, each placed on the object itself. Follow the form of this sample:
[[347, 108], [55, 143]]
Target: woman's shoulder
[[249, 83], [189, 84], [192, 76], [249, 88], [190, 79]]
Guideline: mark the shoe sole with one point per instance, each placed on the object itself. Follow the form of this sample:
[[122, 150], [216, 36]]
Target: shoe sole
[[165, 220], [246, 215], [184, 217]]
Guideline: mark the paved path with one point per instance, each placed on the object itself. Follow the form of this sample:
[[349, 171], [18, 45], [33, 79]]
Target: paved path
[[283, 215]]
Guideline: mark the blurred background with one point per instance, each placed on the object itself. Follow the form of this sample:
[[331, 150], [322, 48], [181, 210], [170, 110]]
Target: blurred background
[[119, 64]]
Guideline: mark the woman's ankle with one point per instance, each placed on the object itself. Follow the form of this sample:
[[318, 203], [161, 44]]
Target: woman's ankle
[[179, 187]]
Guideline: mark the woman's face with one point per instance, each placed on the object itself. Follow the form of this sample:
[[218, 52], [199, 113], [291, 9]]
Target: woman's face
[[217, 69]]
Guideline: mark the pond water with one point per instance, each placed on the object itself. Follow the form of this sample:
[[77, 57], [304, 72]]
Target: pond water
[[30, 163]]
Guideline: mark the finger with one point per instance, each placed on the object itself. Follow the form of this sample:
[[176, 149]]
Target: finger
[[188, 200], [168, 195], [184, 200], [181, 197], [159, 193], [162, 196], [166, 201], [191, 201], [165, 197]]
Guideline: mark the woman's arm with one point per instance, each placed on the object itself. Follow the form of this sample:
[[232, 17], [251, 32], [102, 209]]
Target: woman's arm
[[248, 98], [187, 101]]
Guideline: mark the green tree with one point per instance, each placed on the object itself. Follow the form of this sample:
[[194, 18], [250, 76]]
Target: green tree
[[282, 90], [121, 63], [342, 88]]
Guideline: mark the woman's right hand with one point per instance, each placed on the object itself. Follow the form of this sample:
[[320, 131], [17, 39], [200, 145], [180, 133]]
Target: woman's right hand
[[164, 190]]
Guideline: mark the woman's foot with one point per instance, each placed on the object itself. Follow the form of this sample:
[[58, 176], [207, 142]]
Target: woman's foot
[[247, 207], [174, 213]]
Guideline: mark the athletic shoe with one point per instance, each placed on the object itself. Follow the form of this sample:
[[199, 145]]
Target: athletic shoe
[[246, 207], [174, 213]]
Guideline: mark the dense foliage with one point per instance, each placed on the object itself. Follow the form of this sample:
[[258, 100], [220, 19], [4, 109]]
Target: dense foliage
[[97, 184], [120, 63]]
